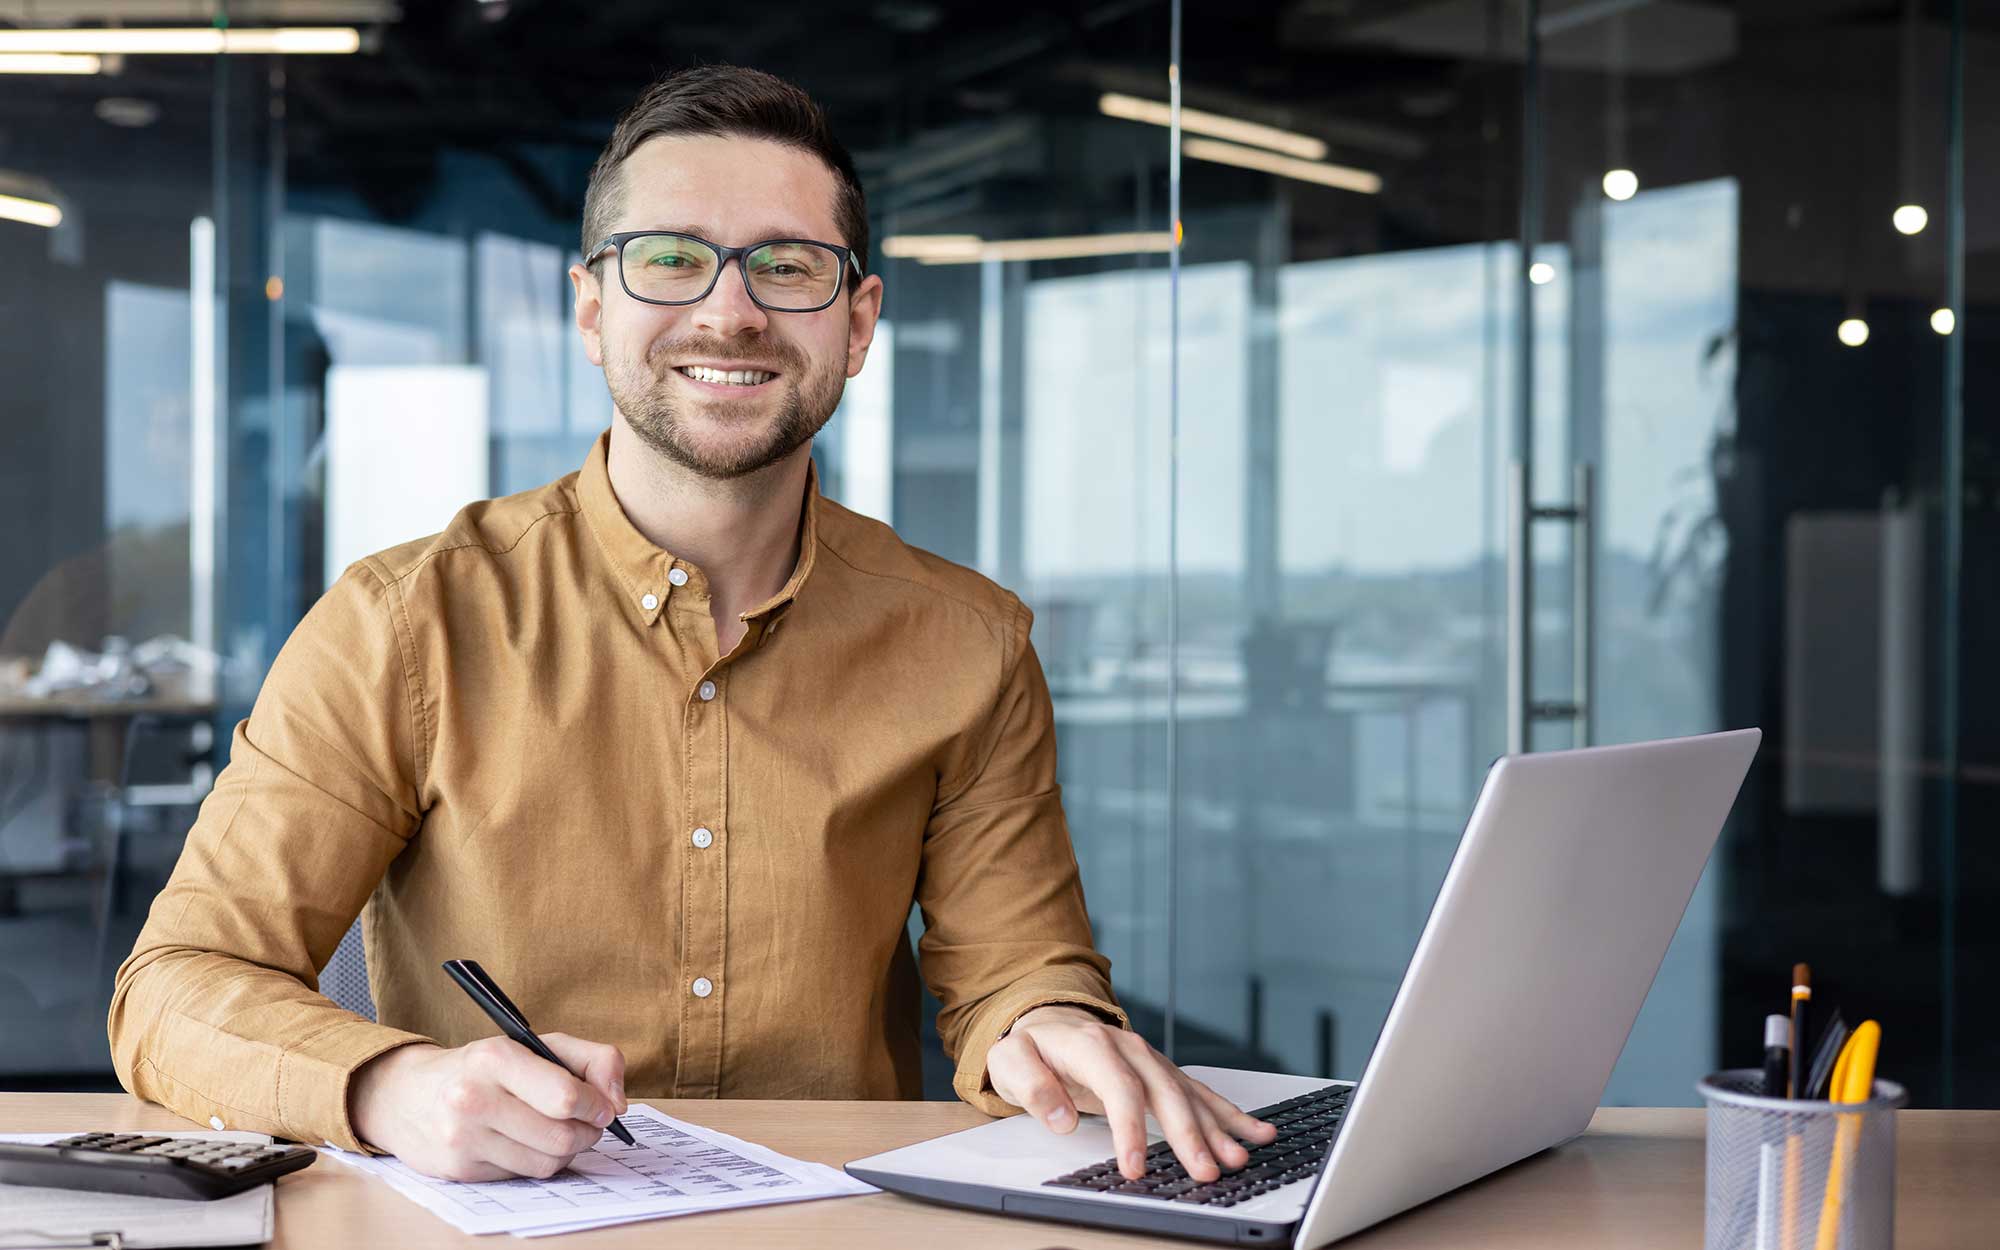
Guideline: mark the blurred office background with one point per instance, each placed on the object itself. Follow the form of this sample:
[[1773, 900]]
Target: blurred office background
[[1531, 374]]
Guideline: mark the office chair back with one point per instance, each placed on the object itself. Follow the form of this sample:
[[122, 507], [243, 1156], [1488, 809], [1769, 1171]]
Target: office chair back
[[345, 977]]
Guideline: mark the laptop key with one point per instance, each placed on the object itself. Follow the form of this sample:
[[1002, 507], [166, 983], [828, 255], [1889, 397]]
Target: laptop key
[[1306, 1126]]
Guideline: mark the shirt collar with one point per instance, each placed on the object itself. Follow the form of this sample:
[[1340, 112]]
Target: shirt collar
[[645, 573]]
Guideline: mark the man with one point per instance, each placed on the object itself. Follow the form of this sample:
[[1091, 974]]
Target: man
[[670, 745]]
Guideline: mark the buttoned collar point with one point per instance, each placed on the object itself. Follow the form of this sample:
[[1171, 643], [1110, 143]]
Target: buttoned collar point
[[776, 605], [645, 574]]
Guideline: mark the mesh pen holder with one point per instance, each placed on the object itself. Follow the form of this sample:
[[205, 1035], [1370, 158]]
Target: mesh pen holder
[[1788, 1174]]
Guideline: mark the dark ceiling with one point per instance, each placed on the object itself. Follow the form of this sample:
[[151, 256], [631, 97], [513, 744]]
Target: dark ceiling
[[982, 117]]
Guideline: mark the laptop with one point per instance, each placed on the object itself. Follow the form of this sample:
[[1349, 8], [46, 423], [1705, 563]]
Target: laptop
[[1571, 877]]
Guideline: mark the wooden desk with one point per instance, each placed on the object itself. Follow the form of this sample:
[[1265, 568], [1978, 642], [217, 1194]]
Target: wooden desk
[[1633, 1182]]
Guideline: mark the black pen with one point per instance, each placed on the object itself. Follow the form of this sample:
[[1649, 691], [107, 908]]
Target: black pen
[[493, 1000], [1777, 1054], [1795, 1085]]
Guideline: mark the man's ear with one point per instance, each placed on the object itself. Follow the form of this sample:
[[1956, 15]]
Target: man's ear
[[862, 315], [589, 312]]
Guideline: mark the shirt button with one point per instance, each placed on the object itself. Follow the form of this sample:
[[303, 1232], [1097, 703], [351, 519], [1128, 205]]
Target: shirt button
[[702, 987], [706, 691], [678, 577], [703, 838], [649, 601]]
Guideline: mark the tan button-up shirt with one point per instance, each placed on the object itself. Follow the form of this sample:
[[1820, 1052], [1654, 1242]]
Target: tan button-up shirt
[[515, 742]]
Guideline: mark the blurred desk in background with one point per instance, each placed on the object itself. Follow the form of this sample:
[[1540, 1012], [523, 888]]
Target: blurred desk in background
[[98, 793]]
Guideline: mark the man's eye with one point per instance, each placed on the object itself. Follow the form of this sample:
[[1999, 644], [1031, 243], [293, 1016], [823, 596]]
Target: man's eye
[[670, 260]]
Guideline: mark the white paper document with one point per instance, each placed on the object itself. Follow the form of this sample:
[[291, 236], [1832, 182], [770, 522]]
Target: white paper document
[[677, 1168], [31, 1215]]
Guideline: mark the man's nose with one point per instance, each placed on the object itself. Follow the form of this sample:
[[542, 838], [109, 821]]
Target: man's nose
[[728, 308]]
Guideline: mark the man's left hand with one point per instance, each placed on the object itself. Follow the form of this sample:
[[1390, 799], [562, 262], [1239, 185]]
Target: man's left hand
[[1057, 1061]]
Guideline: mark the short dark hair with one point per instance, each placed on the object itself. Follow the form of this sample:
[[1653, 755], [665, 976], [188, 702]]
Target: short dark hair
[[726, 100]]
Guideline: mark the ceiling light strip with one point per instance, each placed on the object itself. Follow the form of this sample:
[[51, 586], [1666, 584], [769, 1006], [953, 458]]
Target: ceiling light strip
[[966, 249], [1344, 177], [33, 212], [922, 246], [1195, 121], [48, 63], [187, 40], [1075, 246]]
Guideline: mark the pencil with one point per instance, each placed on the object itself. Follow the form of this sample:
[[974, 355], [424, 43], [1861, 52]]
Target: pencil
[[1794, 1088]]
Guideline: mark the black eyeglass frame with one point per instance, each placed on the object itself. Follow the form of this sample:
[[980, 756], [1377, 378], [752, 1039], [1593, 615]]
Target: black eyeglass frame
[[616, 244]]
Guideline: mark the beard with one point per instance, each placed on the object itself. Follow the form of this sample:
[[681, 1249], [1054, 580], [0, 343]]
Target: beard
[[755, 437]]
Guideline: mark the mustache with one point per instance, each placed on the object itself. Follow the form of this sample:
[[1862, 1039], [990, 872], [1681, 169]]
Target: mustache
[[724, 352]]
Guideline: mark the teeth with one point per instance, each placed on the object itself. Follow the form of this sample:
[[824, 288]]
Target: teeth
[[728, 377]]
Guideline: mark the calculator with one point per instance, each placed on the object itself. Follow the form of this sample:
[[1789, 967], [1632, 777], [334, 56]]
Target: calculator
[[151, 1166]]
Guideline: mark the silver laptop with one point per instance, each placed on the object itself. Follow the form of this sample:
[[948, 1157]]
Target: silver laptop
[[1568, 884]]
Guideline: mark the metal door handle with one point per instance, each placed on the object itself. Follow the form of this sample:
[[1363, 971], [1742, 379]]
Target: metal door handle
[[1523, 709]]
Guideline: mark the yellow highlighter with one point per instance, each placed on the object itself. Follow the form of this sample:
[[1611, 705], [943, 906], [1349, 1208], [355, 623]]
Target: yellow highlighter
[[1853, 1081]]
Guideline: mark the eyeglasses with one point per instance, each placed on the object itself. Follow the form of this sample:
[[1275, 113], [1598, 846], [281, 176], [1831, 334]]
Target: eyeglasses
[[781, 275]]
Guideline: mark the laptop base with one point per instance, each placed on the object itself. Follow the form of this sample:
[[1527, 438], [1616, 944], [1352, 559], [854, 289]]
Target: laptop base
[[1163, 1221]]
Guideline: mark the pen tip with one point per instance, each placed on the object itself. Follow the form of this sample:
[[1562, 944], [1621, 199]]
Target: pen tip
[[1801, 974]]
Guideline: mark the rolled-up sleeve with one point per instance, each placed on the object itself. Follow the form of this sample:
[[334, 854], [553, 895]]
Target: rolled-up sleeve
[[1005, 929], [216, 1014]]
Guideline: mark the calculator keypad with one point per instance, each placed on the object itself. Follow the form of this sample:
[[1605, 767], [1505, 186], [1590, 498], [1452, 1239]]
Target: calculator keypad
[[152, 1165], [231, 1156]]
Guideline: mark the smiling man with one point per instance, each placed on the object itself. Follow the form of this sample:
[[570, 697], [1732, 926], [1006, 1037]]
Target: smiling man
[[670, 745]]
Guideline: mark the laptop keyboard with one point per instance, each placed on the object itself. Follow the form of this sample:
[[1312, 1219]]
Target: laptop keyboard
[[1306, 1127]]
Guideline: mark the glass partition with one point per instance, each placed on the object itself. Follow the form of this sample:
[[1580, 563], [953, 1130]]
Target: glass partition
[[109, 323], [1722, 446], [1965, 791], [1755, 259]]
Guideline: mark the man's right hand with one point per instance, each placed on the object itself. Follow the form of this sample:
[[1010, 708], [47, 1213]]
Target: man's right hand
[[489, 1110]]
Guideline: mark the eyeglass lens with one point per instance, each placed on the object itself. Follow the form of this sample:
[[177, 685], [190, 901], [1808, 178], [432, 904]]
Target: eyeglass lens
[[784, 276]]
